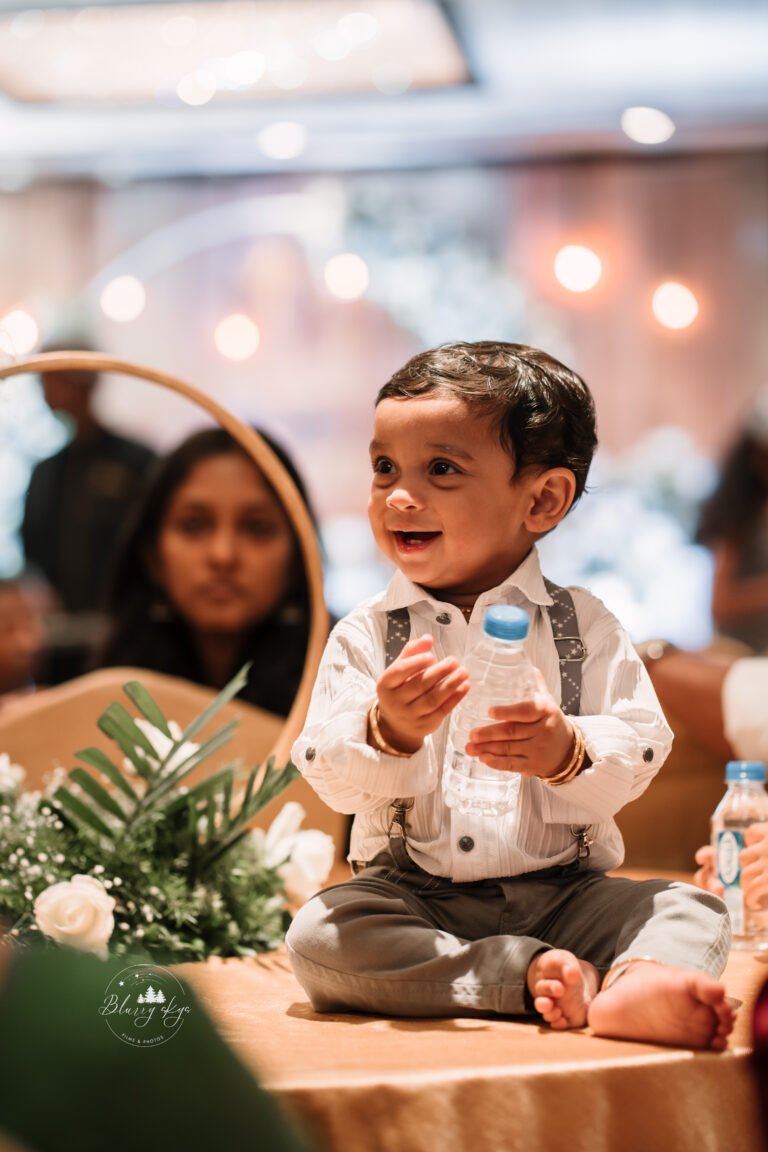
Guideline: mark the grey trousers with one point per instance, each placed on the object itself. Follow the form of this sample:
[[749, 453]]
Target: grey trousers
[[396, 941]]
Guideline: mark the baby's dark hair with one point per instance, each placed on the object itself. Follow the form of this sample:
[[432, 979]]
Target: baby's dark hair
[[544, 412]]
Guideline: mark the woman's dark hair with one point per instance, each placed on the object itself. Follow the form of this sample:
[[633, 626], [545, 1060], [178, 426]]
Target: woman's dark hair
[[543, 410], [143, 629], [730, 513]]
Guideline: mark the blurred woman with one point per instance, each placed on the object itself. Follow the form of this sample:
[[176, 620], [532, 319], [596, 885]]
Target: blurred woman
[[209, 575], [733, 524]]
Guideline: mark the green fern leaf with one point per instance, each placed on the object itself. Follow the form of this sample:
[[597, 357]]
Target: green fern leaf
[[98, 759], [147, 706], [81, 812], [97, 793]]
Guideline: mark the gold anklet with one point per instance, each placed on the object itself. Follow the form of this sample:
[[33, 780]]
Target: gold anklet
[[618, 970]]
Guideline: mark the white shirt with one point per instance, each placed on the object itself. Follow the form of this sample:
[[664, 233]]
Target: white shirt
[[626, 736], [745, 690]]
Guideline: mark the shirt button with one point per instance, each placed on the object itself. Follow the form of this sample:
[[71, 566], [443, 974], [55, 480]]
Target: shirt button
[[466, 844], [310, 754], [648, 755], [443, 618]]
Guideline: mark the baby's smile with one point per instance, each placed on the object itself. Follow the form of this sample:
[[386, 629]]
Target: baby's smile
[[413, 541]]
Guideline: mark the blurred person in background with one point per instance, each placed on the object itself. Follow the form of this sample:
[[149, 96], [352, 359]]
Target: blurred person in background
[[75, 507], [721, 698], [209, 575], [22, 636], [733, 524]]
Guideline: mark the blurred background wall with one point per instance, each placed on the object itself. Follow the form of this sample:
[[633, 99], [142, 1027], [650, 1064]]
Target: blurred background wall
[[290, 278]]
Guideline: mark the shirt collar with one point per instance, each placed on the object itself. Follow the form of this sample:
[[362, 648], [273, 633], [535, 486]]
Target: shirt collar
[[527, 580]]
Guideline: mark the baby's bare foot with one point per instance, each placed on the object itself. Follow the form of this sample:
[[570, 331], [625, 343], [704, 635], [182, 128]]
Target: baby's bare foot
[[663, 1005], [562, 987]]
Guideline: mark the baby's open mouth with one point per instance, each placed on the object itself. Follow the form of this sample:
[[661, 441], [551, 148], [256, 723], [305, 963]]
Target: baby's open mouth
[[408, 539]]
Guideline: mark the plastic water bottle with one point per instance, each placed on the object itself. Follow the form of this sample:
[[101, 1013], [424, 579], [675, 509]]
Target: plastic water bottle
[[745, 802], [499, 673]]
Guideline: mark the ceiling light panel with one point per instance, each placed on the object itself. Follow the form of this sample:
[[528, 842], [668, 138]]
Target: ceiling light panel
[[234, 50]]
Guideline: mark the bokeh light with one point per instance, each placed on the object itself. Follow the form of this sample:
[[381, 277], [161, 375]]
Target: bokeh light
[[674, 305], [358, 27], [283, 140], [237, 337], [19, 333], [123, 299], [577, 268], [646, 125], [346, 276], [196, 88]]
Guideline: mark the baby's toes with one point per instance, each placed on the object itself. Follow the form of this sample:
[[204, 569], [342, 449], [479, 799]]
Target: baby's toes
[[549, 1010], [552, 988]]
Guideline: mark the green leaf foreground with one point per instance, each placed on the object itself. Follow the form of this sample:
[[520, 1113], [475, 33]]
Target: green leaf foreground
[[188, 880]]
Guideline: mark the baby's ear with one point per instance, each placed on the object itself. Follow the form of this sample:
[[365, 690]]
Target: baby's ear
[[552, 494]]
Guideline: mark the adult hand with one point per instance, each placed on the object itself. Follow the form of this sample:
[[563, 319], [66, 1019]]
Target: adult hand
[[754, 866], [417, 692], [706, 874]]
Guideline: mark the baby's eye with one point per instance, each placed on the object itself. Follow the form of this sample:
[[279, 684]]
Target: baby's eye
[[382, 465], [443, 468]]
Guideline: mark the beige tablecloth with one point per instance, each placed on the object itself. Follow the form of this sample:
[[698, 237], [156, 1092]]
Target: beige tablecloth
[[367, 1084]]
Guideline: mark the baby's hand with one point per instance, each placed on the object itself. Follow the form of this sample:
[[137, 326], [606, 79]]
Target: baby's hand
[[706, 875], [417, 692], [754, 866], [533, 737]]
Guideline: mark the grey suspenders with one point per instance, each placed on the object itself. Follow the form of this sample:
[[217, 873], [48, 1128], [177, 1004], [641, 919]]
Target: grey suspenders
[[570, 652], [569, 645]]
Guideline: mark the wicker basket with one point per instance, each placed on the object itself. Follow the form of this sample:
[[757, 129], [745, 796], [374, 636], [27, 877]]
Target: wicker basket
[[267, 462]]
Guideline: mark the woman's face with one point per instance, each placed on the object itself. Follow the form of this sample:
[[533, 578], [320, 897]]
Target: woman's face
[[225, 554]]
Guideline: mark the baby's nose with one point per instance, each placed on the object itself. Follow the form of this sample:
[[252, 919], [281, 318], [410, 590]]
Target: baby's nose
[[402, 498]]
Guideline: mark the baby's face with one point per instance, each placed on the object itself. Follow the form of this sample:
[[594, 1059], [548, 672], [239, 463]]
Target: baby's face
[[445, 505]]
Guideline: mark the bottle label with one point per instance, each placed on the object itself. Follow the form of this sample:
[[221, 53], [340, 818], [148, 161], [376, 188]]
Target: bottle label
[[729, 845]]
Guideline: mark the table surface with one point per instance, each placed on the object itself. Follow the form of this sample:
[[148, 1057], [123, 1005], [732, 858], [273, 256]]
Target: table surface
[[373, 1084]]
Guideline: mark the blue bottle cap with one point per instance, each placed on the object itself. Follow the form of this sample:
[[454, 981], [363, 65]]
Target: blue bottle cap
[[506, 622], [745, 770]]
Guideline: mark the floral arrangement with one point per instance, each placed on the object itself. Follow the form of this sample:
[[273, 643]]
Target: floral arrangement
[[126, 858]]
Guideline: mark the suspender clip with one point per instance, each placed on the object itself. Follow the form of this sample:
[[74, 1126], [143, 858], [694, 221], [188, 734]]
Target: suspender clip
[[399, 808], [573, 652], [583, 840]]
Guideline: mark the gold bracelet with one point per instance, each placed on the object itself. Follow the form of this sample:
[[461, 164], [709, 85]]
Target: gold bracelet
[[379, 742], [575, 763], [566, 768]]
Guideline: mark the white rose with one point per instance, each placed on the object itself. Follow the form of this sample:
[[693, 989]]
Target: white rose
[[310, 861], [281, 833], [162, 744], [11, 775], [78, 913]]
